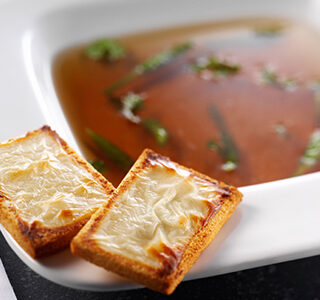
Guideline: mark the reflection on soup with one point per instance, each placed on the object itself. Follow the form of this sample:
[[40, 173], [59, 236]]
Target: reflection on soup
[[238, 101]]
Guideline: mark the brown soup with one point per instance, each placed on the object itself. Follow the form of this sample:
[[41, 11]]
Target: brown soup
[[267, 106]]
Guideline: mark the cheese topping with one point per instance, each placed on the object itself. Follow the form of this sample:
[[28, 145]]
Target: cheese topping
[[162, 207], [46, 184]]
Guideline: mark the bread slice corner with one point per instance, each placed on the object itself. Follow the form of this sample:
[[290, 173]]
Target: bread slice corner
[[157, 222], [47, 191]]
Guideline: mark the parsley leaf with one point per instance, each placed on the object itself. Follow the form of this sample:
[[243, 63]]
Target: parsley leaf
[[108, 49]]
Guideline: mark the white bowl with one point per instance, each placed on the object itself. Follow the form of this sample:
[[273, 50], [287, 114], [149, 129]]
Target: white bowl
[[277, 221]]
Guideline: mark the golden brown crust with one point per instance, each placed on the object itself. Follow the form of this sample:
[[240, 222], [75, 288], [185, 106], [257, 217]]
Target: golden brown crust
[[175, 262], [36, 238], [9, 218]]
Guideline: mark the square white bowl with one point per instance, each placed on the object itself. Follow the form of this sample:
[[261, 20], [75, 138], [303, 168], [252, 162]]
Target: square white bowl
[[277, 221]]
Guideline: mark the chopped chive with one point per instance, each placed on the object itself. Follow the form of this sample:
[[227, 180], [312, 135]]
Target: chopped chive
[[269, 31], [311, 155], [158, 131], [229, 150], [149, 64], [271, 78], [213, 145], [116, 101], [289, 84], [218, 67], [117, 156], [99, 165], [123, 81], [130, 104], [132, 101], [108, 49], [162, 58]]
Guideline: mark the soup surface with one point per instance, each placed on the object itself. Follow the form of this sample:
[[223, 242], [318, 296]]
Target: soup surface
[[239, 103]]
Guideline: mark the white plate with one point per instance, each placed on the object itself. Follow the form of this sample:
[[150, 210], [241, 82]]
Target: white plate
[[277, 221]]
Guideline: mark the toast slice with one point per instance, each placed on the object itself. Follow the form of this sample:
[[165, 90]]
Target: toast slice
[[157, 222], [47, 191]]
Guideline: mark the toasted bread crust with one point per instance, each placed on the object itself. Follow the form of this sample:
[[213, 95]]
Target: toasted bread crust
[[166, 278], [37, 239]]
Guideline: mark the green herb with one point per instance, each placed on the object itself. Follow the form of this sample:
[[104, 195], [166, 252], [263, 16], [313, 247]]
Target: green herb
[[117, 156], [108, 49], [269, 31], [98, 165], [228, 149], [271, 78], [218, 67], [229, 165], [130, 104], [116, 101], [159, 132], [213, 145], [148, 65], [311, 154], [280, 129], [162, 58], [120, 83], [289, 84]]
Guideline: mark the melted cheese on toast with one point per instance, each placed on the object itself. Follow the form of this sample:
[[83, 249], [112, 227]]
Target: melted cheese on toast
[[45, 183], [161, 208]]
